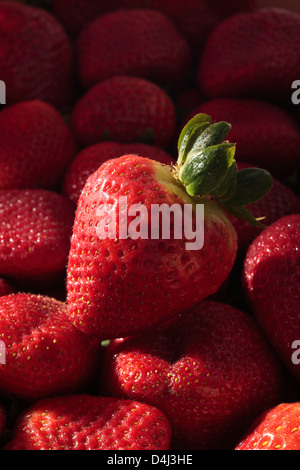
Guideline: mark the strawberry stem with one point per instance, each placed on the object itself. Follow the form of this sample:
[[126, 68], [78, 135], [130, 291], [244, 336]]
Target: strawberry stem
[[207, 168]]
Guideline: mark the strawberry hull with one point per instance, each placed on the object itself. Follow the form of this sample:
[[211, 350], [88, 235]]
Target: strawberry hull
[[119, 286]]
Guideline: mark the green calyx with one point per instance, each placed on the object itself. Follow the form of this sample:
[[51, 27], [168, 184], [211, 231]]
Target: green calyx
[[207, 168]]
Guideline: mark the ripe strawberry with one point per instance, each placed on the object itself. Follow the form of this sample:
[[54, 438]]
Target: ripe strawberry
[[86, 422], [121, 281], [37, 146], [251, 54], [91, 158], [195, 19], [276, 429], [76, 15], [265, 134], [35, 231], [6, 287], [272, 284], [36, 58], [210, 371], [280, 201], [124, 109], [45, 353], [137, 42]]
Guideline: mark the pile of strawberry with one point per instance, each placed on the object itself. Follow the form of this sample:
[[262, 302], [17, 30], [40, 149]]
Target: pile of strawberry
[[139, 343]]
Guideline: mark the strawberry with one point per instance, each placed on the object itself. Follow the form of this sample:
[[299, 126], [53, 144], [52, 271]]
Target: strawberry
[[2, 419], [124, 109], [91, 158], [122, 281], [135, 42], [276, 429], [210, 371], [76, 15], [36, 59], [35, 231], [6, 287], [251, 55], [37, 146], [280, 201], [271, 279], [195, 19], [87, 422], [265, 134], [45, 353]]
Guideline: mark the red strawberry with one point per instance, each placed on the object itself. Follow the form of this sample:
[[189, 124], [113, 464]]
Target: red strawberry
[[76, 15], [265, 134], [137, 42], [121, 281], [35, 231], [276, 429], [280, 201], [195, 19], [37, 146], [45, 353], [6, 287], [91, 158], [124, 109], [272, 284], [251, 54], [210, 371], [86, 422], [35, 55]]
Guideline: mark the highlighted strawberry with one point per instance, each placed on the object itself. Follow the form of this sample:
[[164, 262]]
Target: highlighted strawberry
[[136, 42], [210, 371], [37, 146], [272, 285], [265, 134], [120, 282], [91, 158], [86, 422], [124, 109], [251, 54], [35, 231], [36, 59], [276, 429], [45, 353]]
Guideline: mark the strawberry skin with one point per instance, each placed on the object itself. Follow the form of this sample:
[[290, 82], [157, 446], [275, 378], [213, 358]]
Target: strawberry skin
[[91, 158], [119, 286], [35, 231], [37, 146], [134, 42], [251, 54], [36, 59], [45, 353], [6, 287], [210, 371], [265, 134], [86, 422], [272, 284], [124, 109], [2, 419], [276, 429]]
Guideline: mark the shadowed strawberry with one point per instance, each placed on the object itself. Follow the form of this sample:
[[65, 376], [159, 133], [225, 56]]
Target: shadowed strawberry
[[276, 429], [135, 42], [265, 134], [210, 371], [35, 231], [36, 146], [272, 284], [127, 269], [36, 59], [86, 422], [124, 109], [251, 54], [91, 158], [45, 353], [6, 287], [2, 419]]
